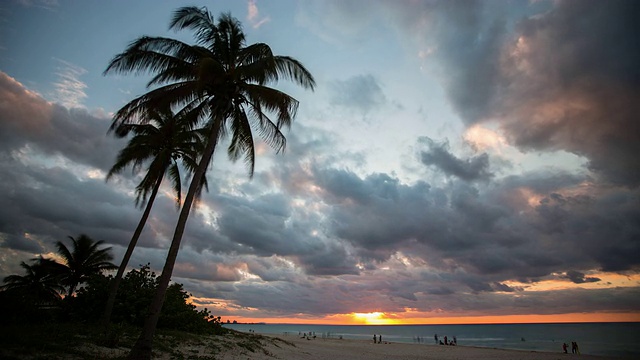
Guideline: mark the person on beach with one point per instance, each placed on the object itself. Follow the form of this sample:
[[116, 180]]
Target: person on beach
[[374, 338], [436, 338], [379, 339], [455, 341], [564, 347], [445, 340]]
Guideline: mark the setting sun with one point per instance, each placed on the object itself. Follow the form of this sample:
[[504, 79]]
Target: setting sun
[[373, 318]]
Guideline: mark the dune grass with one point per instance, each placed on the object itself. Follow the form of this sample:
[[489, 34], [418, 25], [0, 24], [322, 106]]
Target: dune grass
[[81, 341]]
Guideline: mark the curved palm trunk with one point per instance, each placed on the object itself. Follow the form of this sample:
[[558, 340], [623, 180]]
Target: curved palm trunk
[[115, 283], [142, 349]]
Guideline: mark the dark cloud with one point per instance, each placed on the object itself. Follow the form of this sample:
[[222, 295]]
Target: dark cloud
[[439, 156], [52, 163], [574, 84], [28, 120], [579, 278]]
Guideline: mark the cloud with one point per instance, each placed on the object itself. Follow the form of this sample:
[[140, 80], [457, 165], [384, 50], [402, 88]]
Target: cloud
[[438, 156], [552, 76], [45, 4], [583, 94], [579, 278], [69, 90], [27, 120], [253, 15], [362, 93]]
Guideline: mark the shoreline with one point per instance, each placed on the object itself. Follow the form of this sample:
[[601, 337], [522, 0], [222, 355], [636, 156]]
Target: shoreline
[[296, 348]]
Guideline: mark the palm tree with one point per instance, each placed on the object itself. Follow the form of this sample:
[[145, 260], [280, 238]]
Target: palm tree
[[83, 260], [162, 140], [221, 82], [40, 284]]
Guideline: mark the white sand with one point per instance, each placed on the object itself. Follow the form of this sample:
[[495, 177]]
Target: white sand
[[334, 349]]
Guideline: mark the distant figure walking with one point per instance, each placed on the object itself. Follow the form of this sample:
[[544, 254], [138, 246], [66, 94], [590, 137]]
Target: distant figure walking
[[574, 348], [435, 337], [445, 340], [564, 347], [379, 339], [374, 338]]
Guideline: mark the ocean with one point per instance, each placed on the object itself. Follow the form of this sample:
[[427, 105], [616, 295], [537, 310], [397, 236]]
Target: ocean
[[604, 339]]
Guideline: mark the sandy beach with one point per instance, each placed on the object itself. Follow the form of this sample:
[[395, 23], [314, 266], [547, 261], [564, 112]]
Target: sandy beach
[[294, 348]]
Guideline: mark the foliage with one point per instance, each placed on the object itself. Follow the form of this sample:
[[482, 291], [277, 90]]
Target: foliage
[[37, 295], [39, 285], [84, 259], [33, 297], [160, 140], [132, 303]]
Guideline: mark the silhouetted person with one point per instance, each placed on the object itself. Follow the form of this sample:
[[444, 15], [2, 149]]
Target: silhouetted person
[[374, 338], [455, 341], [379, 339], [445, 340], [564, 347], [435, 337]]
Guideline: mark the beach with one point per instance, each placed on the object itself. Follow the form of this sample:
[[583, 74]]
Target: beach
[[295, 348]]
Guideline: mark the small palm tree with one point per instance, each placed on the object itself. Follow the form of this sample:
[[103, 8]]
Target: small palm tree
[[162, 141], [40, 283], [83, 260], [220, 82]]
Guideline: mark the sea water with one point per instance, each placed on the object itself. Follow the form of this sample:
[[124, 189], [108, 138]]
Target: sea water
[[604, 339]]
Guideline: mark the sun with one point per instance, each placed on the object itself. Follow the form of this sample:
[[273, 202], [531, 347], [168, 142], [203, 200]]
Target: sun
[[373, 318]]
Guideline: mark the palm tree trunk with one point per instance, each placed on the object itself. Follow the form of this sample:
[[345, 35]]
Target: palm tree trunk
[[115, 283], [142, 349]]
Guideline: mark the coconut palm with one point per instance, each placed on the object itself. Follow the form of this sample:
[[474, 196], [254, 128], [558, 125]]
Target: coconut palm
[[83, 260], [220, 82], [39, 284], [162, 141]]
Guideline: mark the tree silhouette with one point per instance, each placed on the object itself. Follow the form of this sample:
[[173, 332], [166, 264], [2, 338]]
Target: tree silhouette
[[162, 140], [221, 82], [83, 260], [39, 285]]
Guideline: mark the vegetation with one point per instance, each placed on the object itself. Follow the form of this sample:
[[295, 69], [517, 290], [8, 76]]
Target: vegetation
[[162, 139], [83, 260], [35, 298], [73, 340], [221, 85]]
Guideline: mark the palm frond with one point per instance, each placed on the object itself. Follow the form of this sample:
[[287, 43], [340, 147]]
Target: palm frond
[[242, 140], [152, 55], [283, 105], [197, 19]]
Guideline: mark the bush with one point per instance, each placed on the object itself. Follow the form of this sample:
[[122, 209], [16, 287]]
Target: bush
[[134, 296]]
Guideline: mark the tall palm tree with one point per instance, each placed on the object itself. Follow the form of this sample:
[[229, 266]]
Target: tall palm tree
[[83, 260], [222, 83], [162, 140], [39, 283]]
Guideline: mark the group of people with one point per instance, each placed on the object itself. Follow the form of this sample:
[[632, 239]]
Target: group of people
[[453, 342], [308, 336], [574, 348], [378, 341]]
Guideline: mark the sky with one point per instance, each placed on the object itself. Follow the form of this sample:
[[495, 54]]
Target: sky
[[458, 162]]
